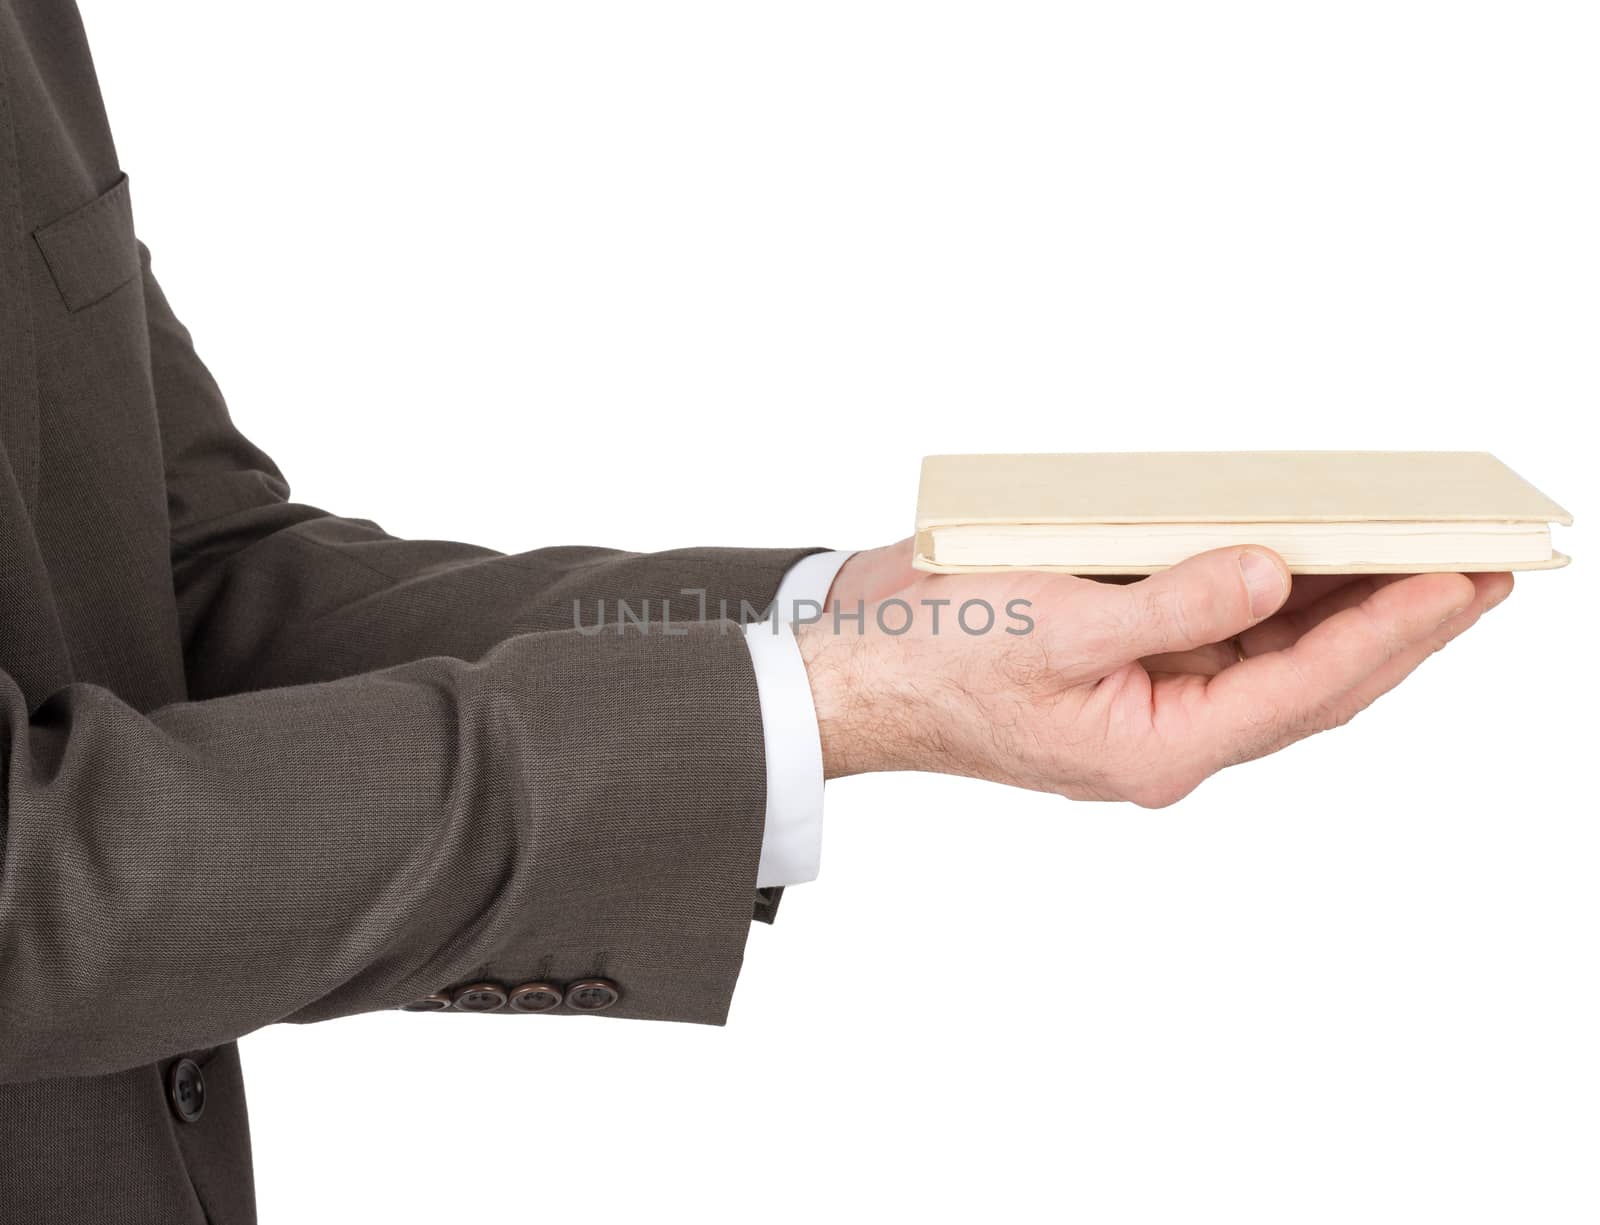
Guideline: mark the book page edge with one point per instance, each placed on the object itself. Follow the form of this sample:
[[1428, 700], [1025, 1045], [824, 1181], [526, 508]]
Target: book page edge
[[921, 561]]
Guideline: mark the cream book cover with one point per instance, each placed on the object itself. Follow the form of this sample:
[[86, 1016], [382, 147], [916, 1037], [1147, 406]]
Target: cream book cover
[[1326, 512]]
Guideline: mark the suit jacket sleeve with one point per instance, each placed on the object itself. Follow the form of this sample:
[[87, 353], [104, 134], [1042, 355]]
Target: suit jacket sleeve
[[439, 785]]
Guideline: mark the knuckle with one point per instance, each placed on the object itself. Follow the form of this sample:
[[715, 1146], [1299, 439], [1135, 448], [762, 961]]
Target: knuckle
[[1341, 717], [1026, 666], [1100, 630], [1159, 789], [1174, 615], [1335, 715], [1197, 610], [1382, 632], [1184, 615], [1264, 715], [1150, 619], [1106, 630]]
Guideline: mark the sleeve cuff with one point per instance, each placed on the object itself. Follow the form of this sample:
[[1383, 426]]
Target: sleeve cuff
[[805, 586], [791, 845]]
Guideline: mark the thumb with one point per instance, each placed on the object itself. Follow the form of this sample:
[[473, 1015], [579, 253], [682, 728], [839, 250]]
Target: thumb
[[1208, 598]]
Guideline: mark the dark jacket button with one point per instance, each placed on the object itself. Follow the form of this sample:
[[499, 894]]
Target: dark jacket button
[[186, 1090], [480, 997], [437, 1002], [592, 995], [535, 997]]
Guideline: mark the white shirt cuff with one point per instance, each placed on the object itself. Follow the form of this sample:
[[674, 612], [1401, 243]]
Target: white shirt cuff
[[791, 846], [804, 589]]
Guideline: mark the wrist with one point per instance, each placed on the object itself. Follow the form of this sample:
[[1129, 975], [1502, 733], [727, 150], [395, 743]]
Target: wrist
[[868, 719], [833, 673]]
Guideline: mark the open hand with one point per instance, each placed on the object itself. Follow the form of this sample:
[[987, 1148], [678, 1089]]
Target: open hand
[[1135, 691]]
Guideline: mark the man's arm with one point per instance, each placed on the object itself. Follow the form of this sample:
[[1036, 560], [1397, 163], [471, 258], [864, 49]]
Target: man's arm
[[568, 807], [564, 808], [396, 790]]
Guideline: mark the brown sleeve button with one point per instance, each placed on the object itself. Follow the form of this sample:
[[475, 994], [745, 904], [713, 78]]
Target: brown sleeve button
[[535, 997], [480, 997], [186, 1090], [592, 995], [437, 1002]]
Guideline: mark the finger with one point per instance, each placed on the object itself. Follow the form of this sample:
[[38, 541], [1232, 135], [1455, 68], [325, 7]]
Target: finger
[[1293, 623], [1309, 604], [1491, 589], [1202, 661], [1275, 698], [1312, 599], [1205, 599], [1309, 588]]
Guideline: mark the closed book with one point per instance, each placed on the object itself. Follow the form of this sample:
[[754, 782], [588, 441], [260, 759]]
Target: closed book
[[1325, 512]]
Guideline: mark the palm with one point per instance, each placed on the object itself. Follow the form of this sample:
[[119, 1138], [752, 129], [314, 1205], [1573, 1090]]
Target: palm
[[1176, 716]]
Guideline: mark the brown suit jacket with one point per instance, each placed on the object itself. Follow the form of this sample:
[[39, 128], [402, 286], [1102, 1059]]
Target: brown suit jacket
[[263, 763]]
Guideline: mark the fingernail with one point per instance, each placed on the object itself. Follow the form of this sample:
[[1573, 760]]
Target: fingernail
[[1263, 579]]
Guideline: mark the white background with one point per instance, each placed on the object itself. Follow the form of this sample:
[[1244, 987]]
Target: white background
[[652, 275]]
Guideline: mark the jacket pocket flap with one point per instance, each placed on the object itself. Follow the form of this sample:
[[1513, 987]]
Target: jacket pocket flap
[[92, 251]]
